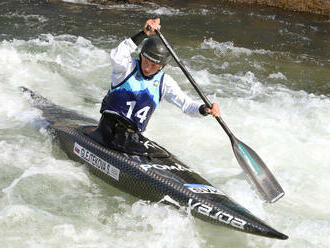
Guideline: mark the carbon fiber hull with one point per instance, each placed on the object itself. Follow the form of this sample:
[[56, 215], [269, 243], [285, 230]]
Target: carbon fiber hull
[[154, 178]]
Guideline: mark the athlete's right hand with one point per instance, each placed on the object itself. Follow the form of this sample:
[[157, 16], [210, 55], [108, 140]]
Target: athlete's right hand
[[151, 25]]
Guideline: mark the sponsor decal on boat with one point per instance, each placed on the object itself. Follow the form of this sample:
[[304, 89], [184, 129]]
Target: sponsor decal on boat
[[95, 161], [203, 189], [216, 214], [175, 166]]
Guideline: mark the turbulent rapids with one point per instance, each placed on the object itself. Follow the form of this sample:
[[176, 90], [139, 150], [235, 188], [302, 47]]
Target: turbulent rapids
[[153, 177], [267, 69]]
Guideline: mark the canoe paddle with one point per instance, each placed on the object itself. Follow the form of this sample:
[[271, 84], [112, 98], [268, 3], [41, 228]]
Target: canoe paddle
[[251, 163]]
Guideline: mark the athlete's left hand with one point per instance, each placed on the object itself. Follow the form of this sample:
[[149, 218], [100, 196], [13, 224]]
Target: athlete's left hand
[[214, 111]]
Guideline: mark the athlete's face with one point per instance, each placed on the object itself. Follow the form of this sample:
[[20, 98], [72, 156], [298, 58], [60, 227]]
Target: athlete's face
[[148, 67]]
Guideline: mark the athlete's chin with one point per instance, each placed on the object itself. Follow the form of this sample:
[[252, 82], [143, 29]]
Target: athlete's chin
[[147, 74]]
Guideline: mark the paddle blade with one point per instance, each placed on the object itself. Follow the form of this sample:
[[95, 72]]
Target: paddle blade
[[257, 171]]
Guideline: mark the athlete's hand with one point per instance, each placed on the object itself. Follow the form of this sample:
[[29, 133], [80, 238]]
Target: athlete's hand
[[214, 111], [151, 25]]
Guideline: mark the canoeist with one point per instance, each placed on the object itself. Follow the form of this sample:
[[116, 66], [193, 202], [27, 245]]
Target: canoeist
[[137, 87]]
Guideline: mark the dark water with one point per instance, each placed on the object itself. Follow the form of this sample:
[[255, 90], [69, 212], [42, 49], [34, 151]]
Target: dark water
[[301, 42]]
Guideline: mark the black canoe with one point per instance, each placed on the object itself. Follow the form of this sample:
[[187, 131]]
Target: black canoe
[[154, 177]]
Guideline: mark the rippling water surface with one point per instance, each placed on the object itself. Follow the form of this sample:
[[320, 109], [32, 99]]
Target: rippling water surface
[[268, 70]]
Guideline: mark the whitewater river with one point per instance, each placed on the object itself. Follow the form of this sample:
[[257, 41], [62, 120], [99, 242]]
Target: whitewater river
[[268, 70]]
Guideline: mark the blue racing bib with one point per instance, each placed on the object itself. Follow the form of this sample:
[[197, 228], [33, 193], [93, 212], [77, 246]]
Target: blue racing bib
[[136, 98]]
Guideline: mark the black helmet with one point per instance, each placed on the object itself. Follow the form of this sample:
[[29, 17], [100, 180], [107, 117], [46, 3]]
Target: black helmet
[[154, 50]]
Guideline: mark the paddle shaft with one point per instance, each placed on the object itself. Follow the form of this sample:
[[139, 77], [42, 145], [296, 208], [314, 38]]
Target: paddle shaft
[[248, 159], [195, 85]]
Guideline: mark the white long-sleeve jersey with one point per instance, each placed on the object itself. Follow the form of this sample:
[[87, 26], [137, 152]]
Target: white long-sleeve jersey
[[123, 64]]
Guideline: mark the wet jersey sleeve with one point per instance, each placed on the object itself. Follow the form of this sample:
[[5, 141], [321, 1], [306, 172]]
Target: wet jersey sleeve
[[173, 94], [121, 61]]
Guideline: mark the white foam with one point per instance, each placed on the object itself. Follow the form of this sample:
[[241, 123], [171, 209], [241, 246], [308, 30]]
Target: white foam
[[277, 75], [28, 18], [167, 11], [163, 222], [18, 214], [77, 1], [305, 233], [264, 17], [228, 48], [66, 60]]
